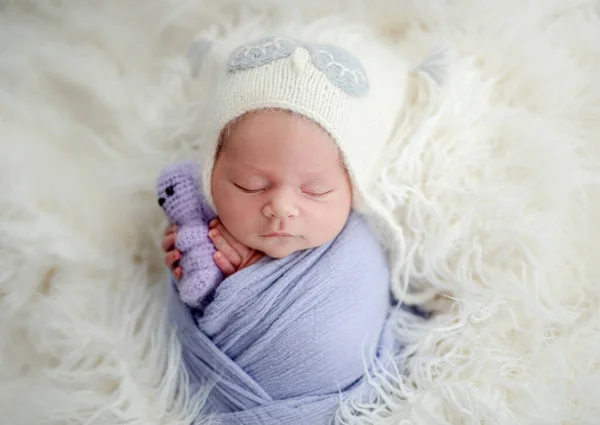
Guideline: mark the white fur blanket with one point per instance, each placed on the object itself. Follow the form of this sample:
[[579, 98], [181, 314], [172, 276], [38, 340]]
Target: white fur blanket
[[494, 187]]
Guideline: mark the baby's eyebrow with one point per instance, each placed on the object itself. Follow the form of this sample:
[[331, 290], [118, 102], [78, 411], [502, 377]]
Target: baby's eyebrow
[[246, 167], [315, 176], [312, 180], [242, 169], [318, 185]]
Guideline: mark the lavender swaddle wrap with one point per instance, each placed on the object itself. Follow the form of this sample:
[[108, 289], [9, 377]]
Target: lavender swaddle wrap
[[283, 339]]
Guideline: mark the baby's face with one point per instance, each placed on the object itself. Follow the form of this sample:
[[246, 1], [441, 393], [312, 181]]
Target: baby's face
[[279, 185]]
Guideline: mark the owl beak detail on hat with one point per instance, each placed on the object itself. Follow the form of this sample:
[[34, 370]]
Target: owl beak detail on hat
[[301, 60]]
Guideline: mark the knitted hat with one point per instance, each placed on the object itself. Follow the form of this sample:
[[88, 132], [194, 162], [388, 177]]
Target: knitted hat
[[354, 93]]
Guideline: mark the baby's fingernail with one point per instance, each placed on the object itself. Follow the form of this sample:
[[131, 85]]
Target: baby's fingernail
[[212, 233], [213, 222]]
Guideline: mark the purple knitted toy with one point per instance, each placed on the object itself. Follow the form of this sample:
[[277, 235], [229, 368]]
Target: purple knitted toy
[[180, 196]]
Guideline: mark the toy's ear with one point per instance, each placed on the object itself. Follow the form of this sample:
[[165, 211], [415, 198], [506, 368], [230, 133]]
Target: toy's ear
[[160, 181], [196, 55], [187, 168]]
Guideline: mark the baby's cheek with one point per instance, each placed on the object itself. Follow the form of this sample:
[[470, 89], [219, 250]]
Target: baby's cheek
[[330, 224], [237, 219], [226, 203]]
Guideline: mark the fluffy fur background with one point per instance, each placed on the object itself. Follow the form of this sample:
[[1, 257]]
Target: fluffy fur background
[[494, 186]]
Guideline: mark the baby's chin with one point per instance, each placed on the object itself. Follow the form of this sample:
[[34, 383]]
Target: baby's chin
[[280, 250]]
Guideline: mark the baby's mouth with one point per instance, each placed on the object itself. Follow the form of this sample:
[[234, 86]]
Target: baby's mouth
[[277, 235]]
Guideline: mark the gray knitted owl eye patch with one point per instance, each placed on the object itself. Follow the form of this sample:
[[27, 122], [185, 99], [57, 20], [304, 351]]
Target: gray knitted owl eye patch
[[338, 65]]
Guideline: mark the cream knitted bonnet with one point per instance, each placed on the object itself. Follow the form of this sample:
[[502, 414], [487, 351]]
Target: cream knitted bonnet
[[354, 92]]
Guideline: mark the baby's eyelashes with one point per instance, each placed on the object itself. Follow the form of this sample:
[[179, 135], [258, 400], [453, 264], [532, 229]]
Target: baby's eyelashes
[[248, 190], [317, 191], [318, 194], [313, 191]]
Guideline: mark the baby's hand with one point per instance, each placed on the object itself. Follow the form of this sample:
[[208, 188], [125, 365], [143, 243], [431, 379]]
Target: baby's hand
[[231, 255], [173, 255]]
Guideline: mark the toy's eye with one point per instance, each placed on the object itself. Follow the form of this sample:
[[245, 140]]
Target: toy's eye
[[170, 190]]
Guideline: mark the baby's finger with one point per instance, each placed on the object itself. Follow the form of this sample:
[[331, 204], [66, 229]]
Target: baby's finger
[[239, 248], [171, 228], [178, 273], [171, 258], [223, 245], [224, 264], [168, 243]]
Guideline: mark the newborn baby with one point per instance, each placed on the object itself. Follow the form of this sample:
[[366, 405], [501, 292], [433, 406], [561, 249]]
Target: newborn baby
[[298, 128]]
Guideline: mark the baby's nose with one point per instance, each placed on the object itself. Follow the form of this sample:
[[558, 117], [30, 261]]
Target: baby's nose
[[161, 201], [280, 210]]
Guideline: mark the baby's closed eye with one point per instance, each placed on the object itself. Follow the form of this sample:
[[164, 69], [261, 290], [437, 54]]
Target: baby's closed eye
[[317, 191], [314, 190], [247, 188]]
